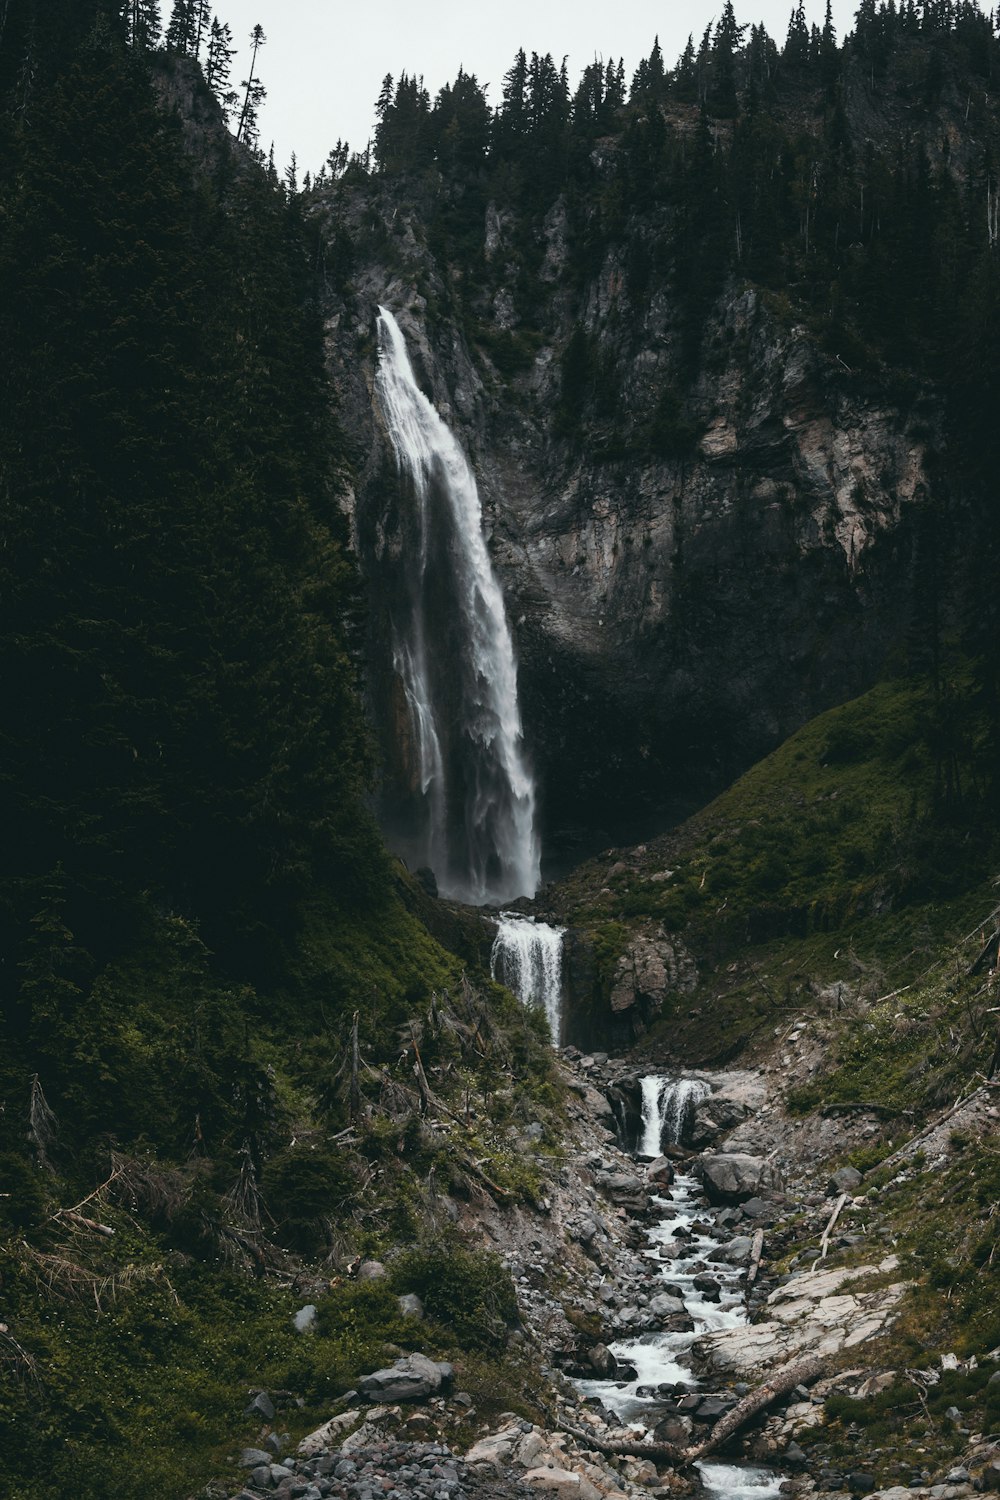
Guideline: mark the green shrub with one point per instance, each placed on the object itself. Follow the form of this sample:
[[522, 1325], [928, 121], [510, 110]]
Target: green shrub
[[469, 1291]]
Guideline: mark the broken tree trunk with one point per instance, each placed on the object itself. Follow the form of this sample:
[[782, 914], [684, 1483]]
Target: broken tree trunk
[[802, 1372]]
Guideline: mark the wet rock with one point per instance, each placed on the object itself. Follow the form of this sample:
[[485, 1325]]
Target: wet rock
[[708, 1286], [675, 1430], [735, 1253], [665, 1306], [661, 1171], [603, 1361]]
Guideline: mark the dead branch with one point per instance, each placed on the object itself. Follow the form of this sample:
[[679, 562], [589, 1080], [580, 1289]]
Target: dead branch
[[81, 1222], [824, 1243], [15, 1358]]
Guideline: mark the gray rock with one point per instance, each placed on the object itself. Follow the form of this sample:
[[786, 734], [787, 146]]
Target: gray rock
[[603, 1361], [261, 1406], [411, 1306], [758, 1208], [860, 1483], [252, 1458], [665, 1306], [371, 1270], [731, 1177], [413, 1378], [795, 1457], [735, 1253], [661, 1171], [306, 1319], [844, 1180], [959, 1475], [261, 1476], [674, 1430]]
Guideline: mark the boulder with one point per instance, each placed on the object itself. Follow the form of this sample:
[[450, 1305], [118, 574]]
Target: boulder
[[562, 1482], [371, 1270], [665, 1306], [252, 1458], [410, 1305], [661, 1171], [306, 1319], [731, 1177], [844, 1180], [261, 1406], [603, 1361], [735, 1253], [329, 1435], [624, 1190], [675, 1431], [412, 1378]]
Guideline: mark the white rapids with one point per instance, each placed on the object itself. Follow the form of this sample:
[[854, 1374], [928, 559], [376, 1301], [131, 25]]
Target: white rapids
[[527, 957], [662, 1358], [454, 656]]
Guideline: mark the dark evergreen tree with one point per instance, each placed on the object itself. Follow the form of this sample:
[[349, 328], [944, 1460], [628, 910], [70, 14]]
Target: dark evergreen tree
[[218, 67], [254, 93], [182, 28]]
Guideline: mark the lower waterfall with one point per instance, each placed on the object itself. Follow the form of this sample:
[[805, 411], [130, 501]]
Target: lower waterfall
[[667, 1107], [527, 958]]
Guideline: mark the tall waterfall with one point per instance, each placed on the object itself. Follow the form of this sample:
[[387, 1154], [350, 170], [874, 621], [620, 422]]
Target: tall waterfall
[[527, 958], [667, 1106], [454, 656]]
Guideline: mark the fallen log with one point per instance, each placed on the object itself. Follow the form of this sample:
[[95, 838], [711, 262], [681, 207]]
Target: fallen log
[[614, 1449], [756, 1251], [824, 1243], [802, 1372]]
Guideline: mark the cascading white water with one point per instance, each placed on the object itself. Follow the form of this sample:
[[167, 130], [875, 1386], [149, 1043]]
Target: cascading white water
[[666, 1107], [527, 958], [455, 657]]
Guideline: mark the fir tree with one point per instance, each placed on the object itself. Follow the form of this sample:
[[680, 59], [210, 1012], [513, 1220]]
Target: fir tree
[[218, 66], [254, 93]]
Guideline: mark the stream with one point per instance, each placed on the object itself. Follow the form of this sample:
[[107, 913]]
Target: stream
[[679, 1244]]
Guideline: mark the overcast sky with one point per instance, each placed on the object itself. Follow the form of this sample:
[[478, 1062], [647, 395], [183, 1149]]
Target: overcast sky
[[324, 62]]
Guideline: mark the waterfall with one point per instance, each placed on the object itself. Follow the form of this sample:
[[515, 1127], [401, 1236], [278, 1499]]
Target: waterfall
[[453, 653], [667, 1106], [527, 958]]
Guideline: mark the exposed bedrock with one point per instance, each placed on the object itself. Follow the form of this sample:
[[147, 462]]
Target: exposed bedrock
[[674, 618]]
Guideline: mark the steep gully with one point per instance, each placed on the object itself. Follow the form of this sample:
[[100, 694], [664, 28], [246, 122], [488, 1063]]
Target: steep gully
[[471, 821]]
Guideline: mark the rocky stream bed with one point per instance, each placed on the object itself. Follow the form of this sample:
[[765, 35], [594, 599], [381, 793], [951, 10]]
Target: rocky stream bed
[[679, 1359]]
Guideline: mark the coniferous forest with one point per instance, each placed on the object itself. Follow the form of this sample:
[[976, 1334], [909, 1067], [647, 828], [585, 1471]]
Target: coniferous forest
[[241, 1045]]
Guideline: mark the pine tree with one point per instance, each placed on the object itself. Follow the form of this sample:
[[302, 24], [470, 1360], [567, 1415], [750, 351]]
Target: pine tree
[[142, 22], [254, 93], [182, 28], [218, 65]]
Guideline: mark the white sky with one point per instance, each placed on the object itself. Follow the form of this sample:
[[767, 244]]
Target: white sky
[[324, 62]]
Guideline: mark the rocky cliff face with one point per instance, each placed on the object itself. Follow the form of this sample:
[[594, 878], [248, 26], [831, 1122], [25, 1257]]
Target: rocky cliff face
[[693, 564]]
